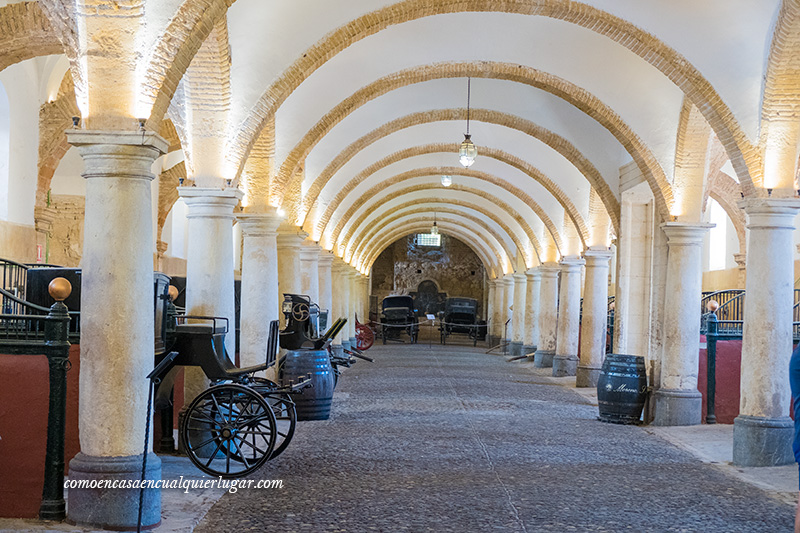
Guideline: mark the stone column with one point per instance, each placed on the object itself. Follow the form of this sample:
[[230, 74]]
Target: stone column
[[161, 249], [209, 267], [518, 316], [117, 327], [565, 361], [325, 263], [337, 295], [352, 277], [595, 316], [290, 240], [261, 300], [531, 336], [490, 305], [344, 282], [43, 218], [309, 270], [763, 431], [508, 304], [548, 315], [677, 401]]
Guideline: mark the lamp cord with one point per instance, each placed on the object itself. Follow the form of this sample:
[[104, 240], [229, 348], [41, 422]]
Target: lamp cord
[[469, 80]]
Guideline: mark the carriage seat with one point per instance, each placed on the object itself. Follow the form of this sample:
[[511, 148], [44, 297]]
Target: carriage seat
[[199, 345]]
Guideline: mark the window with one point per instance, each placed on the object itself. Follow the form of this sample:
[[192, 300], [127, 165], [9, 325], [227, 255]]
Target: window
[[428, 239]]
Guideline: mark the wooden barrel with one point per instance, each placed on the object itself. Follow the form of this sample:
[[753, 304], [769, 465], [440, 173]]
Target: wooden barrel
[[622, 389], [313, 403]]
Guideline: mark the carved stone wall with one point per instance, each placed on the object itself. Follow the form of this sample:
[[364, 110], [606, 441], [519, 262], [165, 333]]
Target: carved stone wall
[[453, 266], [66, 242]]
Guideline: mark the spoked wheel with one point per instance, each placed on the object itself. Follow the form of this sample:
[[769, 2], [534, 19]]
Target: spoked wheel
[[284, 410], [229, 431], [364, 337]]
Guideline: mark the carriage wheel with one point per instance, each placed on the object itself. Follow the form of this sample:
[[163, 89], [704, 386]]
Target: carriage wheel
[[284, 410], [364, 337], [229, 431], [414, 334], [474, 336]]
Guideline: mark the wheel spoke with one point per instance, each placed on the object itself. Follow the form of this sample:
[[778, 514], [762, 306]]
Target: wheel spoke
[[213, 455]]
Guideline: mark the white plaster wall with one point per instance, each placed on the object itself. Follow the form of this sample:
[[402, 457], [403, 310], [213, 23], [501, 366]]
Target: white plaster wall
[[67, 178], [5, 125]]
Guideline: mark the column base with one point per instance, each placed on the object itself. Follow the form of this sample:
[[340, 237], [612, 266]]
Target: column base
[[564, 365], [491, 340], [353, 343], [586, 376], [761, 441], [543, 358], [528, 350], [675, 407], [113, 508], [345, 345], [338, 350], [515, 348]]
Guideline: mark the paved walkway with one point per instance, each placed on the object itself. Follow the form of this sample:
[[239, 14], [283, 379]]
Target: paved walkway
[[451, 439]]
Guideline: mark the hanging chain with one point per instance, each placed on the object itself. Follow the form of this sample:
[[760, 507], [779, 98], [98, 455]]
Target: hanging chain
[[469, 80]]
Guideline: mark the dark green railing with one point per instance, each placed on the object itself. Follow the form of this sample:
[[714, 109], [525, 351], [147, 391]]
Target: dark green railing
[[48, 335]]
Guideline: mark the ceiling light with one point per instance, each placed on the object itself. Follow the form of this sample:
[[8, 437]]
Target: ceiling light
[[467, 153], [447, 180]]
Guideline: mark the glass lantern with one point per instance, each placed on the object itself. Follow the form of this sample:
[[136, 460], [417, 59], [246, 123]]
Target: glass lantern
[[467, 153]]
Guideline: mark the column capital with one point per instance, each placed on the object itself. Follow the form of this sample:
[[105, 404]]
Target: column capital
[[257, 224], [775, 213], [520, 276], [326, 258], [685, 233], [533, 274], [549, 269], [161, 247], [508, 279], [597, 257], [741, 259], [43, 218], [101, 151], [210, 202], [290, 236], [309, 251], [571, 264]]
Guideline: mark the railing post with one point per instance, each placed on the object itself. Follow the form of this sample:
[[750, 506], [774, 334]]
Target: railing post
[[711, 366], [56, 331]]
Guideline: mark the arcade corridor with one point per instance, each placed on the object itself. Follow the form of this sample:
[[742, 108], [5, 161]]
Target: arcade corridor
[[451, 439]]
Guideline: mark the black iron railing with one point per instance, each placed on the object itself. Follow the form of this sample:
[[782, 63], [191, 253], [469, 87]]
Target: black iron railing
[[47, 334], [14, 327], [13, 279]]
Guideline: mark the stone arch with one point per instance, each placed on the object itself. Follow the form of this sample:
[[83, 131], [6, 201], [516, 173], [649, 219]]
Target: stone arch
[[691, 155], [54, 118], [556, 142], [25, 33], [780, 128], [574, 95], [492, 153], [186, 33], [667, 60], [454, 171], [726, 192], [472, 239], [362, 239]]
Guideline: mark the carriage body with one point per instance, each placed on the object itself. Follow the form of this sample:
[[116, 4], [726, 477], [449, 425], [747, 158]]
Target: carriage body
[[461, 316], [397, 317]]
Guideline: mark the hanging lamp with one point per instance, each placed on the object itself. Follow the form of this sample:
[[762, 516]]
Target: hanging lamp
[[447, 180], [467, 152]]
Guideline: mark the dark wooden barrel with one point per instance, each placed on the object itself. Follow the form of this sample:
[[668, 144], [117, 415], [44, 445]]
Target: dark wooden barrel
[[313, 403], [622, 389]]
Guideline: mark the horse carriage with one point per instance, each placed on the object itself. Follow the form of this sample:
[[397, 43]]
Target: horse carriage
[[461, 316], [398, 315]]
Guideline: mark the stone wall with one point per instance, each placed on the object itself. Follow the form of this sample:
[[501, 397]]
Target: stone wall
[[454, 267], [66, 242], [17, 242]]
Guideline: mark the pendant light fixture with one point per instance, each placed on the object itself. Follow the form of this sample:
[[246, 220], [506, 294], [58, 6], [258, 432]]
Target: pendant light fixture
[[447, 180], [434, 228], [467, 153]]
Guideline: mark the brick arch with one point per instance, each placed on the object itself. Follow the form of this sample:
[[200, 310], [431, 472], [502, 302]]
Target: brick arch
[[574, 95], [519, 219], [427, 218], [172, 54], [667, 60], [493, 153], [780, 126], [464, 234], [556, 142], [727, 193], [25, 33], [362, 239]]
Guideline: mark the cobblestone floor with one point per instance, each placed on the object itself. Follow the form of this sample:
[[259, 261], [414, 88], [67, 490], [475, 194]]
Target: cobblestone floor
[[451, 439]]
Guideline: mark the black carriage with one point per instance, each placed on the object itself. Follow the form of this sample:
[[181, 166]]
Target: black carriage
[[398, 316], [461, 316]]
